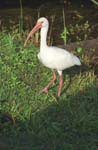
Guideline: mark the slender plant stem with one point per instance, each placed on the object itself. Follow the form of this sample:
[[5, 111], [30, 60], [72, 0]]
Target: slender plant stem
[[21, 17], [64, 23], [37, 33], [64, 17], [50, 32]]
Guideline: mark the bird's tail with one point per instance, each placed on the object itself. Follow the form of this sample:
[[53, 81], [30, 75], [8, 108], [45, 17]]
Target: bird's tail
[[77, 61]]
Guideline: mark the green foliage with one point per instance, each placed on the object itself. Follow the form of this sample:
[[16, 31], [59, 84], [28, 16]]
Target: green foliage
[[79, 49], [80, 31], [33, 121], [64, 35], [77, 32]]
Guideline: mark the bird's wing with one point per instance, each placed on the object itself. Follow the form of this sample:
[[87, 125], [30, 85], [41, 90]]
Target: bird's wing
[[57, 58]]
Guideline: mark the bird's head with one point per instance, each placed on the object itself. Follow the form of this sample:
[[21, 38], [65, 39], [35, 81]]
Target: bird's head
[[41, 23]]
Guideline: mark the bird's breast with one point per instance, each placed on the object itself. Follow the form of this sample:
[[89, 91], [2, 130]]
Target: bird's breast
[[46, 58]]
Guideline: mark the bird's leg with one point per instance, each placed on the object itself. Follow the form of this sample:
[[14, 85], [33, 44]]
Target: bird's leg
[[52, 81], [60, 85]]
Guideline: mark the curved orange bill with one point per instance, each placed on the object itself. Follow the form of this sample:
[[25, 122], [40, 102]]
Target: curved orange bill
[[36, 27]]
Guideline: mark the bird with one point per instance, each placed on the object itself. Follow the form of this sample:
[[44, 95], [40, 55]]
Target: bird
[[55, 58]]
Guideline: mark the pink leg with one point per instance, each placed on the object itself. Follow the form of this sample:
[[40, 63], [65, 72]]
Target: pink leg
[[52, 81], [60, 85]]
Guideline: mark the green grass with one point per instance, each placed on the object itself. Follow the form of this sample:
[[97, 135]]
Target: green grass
[[33, 121]]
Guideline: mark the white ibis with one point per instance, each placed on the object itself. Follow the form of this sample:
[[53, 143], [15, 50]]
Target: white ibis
[[52, 57]]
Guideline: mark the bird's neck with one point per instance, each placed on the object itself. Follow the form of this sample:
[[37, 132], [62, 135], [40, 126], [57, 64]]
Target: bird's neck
[[43, 36]]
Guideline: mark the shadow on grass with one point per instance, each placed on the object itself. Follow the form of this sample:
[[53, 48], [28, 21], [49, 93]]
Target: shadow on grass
[[69, 124], [76, 70]]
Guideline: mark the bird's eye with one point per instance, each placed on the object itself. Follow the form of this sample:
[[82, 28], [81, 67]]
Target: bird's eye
[[42, 22]]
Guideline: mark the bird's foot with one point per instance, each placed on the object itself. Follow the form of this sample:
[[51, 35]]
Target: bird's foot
[[45, 90]]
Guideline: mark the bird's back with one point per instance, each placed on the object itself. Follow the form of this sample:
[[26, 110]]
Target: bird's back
[[57, 58]]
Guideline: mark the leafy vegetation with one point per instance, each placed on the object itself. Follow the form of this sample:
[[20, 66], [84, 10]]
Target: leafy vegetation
[[33, 121]]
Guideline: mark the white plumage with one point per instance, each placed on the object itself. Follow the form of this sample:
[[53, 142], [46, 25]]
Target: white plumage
[[56, 58], [52, 57]]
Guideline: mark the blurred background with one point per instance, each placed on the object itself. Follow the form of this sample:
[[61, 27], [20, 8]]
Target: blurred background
[[78, 16]]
